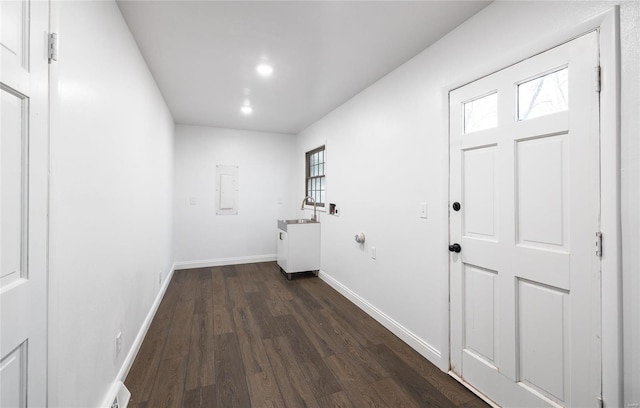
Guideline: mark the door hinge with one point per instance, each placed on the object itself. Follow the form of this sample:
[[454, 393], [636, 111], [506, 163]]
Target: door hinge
[[599, 244], [599, 402], [53, 47], [598, 79]]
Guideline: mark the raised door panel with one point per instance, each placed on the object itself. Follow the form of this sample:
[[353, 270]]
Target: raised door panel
[[14, 38], [13, 378], [479, 193], [13, 186], [543, 317], [480, 313], [14, 42], [542, 193]]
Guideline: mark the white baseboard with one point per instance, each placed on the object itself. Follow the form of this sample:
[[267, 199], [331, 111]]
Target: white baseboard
[[425, 349], [118, 387], [207, 263]]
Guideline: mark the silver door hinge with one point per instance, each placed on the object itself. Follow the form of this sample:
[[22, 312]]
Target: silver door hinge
[[599, 244], [598, 79], [53, 47]]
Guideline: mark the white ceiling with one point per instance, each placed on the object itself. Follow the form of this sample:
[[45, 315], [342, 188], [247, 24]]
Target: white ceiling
[[203, 54]]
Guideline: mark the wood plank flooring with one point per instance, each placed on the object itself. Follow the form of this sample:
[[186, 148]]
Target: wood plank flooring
[[243, 336]]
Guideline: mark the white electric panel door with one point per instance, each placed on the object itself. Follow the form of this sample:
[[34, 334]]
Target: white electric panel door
[[226, 190]]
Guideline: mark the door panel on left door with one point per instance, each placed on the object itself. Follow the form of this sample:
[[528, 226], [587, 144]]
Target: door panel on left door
[[13, 378], [13, 186]]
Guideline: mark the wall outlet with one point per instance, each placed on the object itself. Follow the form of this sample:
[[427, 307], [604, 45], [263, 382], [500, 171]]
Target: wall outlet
[[118, 343]]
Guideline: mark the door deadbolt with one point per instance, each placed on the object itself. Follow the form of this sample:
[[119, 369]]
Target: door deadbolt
[[456, 206], [455, 248]]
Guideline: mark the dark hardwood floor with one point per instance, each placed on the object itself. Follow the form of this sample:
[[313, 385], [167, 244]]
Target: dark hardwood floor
[[244, 336]]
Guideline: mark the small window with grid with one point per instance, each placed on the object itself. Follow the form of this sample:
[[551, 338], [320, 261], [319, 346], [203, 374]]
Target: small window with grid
[[315, 179]]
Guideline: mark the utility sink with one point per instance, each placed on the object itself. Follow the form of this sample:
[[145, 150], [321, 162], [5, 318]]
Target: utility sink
[[300, 221], [298, 246], [282, 224]]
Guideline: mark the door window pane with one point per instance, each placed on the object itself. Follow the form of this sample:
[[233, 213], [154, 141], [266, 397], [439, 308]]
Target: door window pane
[[544, 95], [481, 113]]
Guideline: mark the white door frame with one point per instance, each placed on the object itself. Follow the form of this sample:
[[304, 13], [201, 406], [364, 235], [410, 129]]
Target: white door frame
[[608, 23]]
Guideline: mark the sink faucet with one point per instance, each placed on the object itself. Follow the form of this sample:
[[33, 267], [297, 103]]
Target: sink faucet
[[304, 200]]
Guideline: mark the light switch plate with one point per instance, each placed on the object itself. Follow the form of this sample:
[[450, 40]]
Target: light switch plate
[[424, 210]]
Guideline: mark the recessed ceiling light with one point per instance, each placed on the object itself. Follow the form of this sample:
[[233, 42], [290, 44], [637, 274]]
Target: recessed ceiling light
[[264, 69], [246, 110]]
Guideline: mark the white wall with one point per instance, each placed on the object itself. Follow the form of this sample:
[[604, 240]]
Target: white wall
[[387, 152], [266, 166], [110, 204]]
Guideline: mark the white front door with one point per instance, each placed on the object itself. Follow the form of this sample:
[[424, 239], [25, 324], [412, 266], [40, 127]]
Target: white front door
[[524, 210], [23, 202]]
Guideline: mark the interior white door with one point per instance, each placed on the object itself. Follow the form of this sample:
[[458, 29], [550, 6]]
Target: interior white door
[[525, 284], [23, 202]]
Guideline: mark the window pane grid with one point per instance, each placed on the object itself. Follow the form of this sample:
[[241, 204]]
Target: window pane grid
[[315, 177]]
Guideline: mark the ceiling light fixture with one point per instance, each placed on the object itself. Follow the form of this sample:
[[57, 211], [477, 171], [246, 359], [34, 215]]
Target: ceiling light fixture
[[246, 109], [264, 70]]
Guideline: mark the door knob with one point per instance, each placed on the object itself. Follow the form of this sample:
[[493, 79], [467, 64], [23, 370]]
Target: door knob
[[455, 248]]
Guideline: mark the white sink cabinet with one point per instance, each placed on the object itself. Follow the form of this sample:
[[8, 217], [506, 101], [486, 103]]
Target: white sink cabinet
[[298, 247]]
